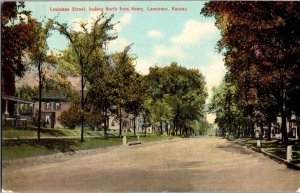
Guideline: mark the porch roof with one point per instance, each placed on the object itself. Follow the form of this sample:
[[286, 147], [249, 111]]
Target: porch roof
[[16, 99]]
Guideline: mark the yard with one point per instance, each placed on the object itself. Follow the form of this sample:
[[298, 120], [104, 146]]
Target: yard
[[274, 146], [22, 143]]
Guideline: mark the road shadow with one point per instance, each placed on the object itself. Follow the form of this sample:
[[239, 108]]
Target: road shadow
[[233, 148]]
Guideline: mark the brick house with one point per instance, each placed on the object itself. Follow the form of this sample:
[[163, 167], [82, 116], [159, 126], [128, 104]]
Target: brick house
[[51, 107]]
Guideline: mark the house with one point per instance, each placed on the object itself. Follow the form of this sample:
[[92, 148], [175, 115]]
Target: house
[[52, 105], [128, 123], [292, 128], [7, 90], [14, 110]]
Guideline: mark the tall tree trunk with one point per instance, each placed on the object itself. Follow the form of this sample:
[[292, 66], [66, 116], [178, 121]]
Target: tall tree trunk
[[134, 126], [248, 130], [252, 130], [261, 128], [161, 127], [120, 123], [180, 130], [283, 127], [167, 130], [40, 103], [82, 105], [105, 122], [174, 127]]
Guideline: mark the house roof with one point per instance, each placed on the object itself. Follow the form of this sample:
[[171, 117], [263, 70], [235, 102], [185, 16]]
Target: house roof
[[52, 97]]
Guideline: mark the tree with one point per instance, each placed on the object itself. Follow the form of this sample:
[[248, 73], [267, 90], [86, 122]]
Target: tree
[[27, 92], [38, 56], [224, 104], [124, 82], [16, 35], [161, 112], [83, 46], [100, 83], [259, 37], [136, 98], [183, 89]]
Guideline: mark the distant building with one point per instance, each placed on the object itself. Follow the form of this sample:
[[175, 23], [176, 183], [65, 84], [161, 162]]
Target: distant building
[[292, 128], [128, 124], [51, 107]]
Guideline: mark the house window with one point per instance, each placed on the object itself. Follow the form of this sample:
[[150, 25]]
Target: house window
[[47, 106], [56, 106]]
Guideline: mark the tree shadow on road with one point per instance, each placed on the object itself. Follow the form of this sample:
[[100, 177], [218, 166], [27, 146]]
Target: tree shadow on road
[[232, 148]]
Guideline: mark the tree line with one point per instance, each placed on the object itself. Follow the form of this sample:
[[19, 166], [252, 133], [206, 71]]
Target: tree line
[[260, 42], [172, 95]]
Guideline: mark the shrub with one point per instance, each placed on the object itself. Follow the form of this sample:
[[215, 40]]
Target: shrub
[[93, 118], [71, 117]]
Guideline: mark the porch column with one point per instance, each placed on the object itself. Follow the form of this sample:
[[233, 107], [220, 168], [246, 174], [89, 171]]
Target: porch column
[[18, 106], [297, 132], [6, 107]]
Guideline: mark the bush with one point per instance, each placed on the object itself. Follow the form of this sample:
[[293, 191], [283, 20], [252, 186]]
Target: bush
[[71, 117], [93, 118]]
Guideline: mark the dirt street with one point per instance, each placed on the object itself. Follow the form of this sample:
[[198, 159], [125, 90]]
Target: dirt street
[[197, 164]]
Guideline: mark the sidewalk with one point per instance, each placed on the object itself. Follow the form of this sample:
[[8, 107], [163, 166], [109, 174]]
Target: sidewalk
[[290, 164]]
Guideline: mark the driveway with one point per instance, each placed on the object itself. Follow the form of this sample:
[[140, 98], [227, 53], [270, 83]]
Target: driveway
[[196, 164]]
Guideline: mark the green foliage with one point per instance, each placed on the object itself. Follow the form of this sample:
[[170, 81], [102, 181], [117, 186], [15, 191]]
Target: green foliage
[[27, 92], [224, 104], [161, 111], [200, 127], [39, 57], [183, 91], [84, 48]]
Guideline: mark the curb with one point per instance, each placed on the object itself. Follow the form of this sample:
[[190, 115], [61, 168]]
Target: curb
[[273, 157]]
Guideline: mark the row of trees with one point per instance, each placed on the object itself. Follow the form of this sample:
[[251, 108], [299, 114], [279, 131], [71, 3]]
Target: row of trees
[[260, 42], [177, 96], [171, 95]]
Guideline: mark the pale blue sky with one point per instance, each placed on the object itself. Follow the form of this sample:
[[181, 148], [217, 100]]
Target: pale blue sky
[[159, 37]]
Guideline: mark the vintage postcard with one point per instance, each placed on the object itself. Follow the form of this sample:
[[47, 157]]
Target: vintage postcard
[[150, 96]]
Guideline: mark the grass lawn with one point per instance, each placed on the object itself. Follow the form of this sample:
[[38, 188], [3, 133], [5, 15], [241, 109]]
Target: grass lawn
[[274, 143], [10, 133], [274, 146], [22, 148], [47, 132]]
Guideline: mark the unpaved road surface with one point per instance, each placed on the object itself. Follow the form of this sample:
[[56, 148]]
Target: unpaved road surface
[[197, 164]]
